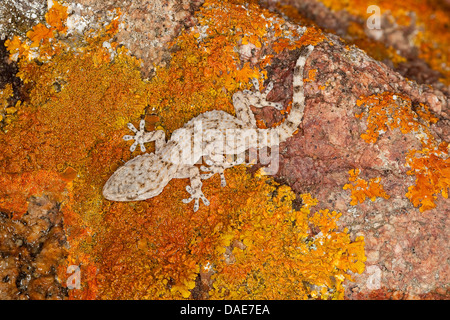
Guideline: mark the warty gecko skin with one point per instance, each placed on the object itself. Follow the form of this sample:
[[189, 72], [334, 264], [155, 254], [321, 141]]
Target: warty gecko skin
[[146, 175]]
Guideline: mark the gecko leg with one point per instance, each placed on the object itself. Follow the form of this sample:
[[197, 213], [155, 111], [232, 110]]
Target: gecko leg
[[219, 168], [195, 189], [258, 99], [242, 100], [141, 137]]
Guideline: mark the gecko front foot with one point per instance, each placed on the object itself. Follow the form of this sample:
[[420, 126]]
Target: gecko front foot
[[195, 195], [138, 137]]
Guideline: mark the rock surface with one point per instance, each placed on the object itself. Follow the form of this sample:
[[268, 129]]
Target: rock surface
[[148, 26], [407, 251], [31, 249]]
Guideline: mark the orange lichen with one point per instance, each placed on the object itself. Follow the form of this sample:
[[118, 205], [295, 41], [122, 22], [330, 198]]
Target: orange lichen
[[69, 174], [38, 34], [17, 188], [388, 110], [311, 75], [432, 21], [56, 17], [113, 27], [206, 69], [361, 189], [430, 165], [311, 36], [14, 46], [46, 40], [40, 42], [71, 124]]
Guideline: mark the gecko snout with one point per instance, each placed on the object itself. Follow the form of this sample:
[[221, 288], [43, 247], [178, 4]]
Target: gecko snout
[[141, 178]]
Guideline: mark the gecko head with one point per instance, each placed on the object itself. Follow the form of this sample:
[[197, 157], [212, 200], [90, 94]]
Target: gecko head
[[141, 178]]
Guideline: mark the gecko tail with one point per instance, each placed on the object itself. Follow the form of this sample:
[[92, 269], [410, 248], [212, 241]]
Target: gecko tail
[[294, 119]]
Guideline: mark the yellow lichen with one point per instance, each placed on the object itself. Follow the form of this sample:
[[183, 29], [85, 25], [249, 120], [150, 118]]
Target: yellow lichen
[[279, 259], [5, 94]]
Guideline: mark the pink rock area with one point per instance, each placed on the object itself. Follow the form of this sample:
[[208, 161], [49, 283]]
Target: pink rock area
[[148, 26], [407, 251]]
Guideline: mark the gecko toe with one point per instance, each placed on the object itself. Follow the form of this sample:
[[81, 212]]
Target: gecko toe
[[205, 201], [277, 105], [138, 137], [127, 137], [223, 181], [131, 127], [255, 83], [187, 200], [269, 87], [206, 176], [196, 205], [195, 196], [142, 125], [133, 146]]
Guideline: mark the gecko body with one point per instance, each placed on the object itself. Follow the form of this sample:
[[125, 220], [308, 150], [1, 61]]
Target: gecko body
[[215, 135]]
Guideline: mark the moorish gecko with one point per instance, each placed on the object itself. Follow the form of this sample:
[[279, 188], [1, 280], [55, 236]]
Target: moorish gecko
[[215, 135]]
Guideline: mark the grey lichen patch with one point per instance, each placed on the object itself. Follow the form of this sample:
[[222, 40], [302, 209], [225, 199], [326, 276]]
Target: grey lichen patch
[[19, 16]]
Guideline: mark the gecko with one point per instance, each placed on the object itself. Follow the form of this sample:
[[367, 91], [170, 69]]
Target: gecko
[[215, 136]]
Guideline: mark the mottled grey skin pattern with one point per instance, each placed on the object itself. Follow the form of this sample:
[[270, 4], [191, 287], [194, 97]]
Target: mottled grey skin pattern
[[146, 175]]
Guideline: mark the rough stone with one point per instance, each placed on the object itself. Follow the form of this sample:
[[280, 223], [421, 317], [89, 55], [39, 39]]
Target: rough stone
[[31, 249]]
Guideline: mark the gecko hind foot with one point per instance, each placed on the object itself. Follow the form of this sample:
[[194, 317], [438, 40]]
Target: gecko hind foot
[[195, 195]]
